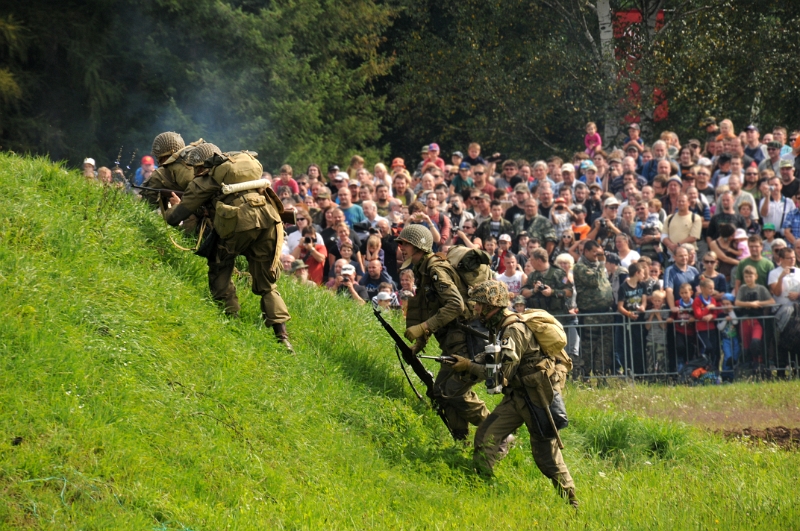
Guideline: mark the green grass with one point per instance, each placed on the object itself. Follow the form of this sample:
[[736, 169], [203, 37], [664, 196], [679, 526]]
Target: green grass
[[140, 406]]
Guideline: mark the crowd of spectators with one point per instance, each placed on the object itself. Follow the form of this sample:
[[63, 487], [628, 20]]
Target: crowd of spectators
[[693, 239], [675, 227]]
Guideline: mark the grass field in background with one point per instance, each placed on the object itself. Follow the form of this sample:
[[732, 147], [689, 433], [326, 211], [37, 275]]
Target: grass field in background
[[140, 406]]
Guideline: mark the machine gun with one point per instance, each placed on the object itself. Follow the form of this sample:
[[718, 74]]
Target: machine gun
[[166, 193], [404, 353]]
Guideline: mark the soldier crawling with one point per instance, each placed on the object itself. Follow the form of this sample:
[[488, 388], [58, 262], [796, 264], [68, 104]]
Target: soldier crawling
[[248, 223], [529, 376]]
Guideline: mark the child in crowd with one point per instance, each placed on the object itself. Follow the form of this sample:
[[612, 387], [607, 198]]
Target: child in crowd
[[592, 139], [739, 242], [657, 332], [728, 333], [519, 304], [704, 310], [579, 226], [374, 251], [385, 297], [473, 157], [560, 216], [684, 326], [752, 298], [490, 246], [768, 232], [655, 274], [346, 252], [632, 303]]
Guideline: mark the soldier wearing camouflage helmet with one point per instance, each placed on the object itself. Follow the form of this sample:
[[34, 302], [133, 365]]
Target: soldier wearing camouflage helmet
[[525, 365], [435, 310], [247, 222], [173, 172]]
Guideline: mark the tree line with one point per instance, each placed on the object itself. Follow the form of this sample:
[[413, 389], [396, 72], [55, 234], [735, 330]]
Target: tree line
[[306, 81]]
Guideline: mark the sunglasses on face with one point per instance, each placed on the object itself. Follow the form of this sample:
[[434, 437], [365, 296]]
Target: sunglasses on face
[[709, 261]]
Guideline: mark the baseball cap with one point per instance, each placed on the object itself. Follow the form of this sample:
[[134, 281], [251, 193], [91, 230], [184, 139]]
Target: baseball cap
[[560, 200], [704, 161], [774, 145], [333, 168], [299, 264], [613, 258], [568, 167], [354, 182], [589, 167], [675, 179], [521, 187], [504, 238], [708, 120], [464, 166], [383, 296], [458, 154], [632, 148], [768, 226], [615, 159], [433, 147], [634, 126], [424, 149], [740, 234], [786, 164], [729, 297], [694, 142], [398, 163], [89, 160], [341, 176], [323, 193], [578, 209], [611, 201], [751, 127], [519, 299], [147, 159], [348, 270], [595, 185]]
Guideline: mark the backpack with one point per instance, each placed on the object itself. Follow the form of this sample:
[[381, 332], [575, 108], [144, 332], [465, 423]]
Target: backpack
[[235, 167], [471, 267], [548, 331]]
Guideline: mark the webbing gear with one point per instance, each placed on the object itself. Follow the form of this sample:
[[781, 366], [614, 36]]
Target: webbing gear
[[240, 187]]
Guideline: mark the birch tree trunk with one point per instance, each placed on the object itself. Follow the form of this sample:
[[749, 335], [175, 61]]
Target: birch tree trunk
[[607, 54]]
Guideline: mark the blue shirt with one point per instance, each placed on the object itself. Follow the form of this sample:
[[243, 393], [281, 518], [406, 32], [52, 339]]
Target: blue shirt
[[792, 222], [674, 278], [354, 214]]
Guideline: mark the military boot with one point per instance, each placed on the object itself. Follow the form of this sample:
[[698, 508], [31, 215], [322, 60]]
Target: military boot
[[282, 336]]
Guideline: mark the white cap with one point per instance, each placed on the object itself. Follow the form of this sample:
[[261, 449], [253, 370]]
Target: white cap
[[89, 160], [348, 270], [504, 238], [739, 234], [703, 161], [568, 167], [383, 296]]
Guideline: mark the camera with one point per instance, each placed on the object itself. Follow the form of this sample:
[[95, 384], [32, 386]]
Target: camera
[[771, 188], [537, 287], [603, 222], [308, 239]]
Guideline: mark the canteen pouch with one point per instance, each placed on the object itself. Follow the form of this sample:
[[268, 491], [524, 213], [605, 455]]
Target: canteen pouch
[[226, 218]]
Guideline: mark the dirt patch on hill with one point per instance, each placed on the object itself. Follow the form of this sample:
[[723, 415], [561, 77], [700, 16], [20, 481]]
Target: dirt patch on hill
[[786, 438]]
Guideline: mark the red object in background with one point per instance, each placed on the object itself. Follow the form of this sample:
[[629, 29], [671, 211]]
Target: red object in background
[[627, 49]]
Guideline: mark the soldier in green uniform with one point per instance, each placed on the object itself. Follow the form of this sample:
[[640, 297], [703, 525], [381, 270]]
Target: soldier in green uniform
[[594, 295], [434, 310], [248, 223], [536, 226], [173, 172], [548, 287], [525, 365]]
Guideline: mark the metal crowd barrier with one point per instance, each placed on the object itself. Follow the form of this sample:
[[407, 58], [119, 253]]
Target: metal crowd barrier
[[608, 345]]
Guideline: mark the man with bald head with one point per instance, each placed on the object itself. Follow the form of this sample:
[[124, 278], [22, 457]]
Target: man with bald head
[[375, 276]]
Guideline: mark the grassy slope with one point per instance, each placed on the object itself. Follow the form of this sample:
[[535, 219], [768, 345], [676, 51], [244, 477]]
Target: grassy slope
[[141, 407]]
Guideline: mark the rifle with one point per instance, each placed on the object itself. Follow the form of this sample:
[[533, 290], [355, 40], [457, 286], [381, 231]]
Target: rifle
[[404, 353], [439, 359], [166, 193]]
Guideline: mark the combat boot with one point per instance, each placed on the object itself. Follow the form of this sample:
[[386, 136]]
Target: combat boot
[[282, 336]]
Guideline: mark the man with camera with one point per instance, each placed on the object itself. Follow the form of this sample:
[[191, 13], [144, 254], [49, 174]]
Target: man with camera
[[595, 299], [548, 287], [603, 229], [345, 282], [312, 253]]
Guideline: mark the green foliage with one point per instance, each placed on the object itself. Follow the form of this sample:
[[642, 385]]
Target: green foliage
[[288, 79], [140, 406]]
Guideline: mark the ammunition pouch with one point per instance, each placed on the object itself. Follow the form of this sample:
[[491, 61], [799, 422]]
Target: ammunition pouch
[[226, 219], [208, 244]]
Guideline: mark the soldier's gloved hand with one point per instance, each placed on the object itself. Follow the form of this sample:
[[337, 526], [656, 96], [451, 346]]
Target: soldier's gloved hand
[[461, 364], [419, 345], [417, 331]]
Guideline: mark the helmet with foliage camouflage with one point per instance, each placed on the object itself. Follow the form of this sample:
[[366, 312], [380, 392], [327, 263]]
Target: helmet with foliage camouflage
[[167, 144], [201, 153], [418, 236], [490, 293]]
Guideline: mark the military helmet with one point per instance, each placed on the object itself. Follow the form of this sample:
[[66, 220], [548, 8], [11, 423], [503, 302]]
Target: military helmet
[[418, 236], [491, 293], [167, 144], [201, 153]]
